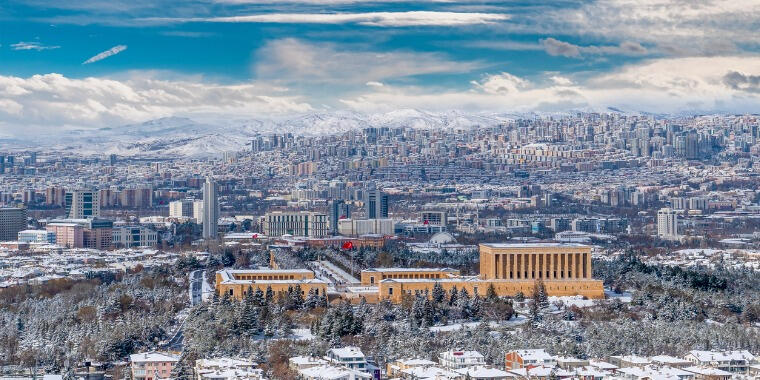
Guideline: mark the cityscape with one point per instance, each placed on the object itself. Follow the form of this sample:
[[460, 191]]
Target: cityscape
[[347, 190]]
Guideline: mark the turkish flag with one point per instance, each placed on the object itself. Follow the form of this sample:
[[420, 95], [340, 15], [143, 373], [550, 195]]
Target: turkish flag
[[254, 236], [348, 245], [426, 222]]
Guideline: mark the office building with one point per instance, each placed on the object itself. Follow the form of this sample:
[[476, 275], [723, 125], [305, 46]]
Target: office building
[[82, 204], [435, 218], [210, 209], [376, 204], [134, 236], [12, 220], [339, 209], [82, 233], [36, 236], [296, 223], [667, 224]]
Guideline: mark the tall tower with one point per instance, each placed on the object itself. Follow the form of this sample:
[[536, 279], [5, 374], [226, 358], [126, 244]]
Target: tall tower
[[376, 204], [210, 209], [667, 223], [338, 210]]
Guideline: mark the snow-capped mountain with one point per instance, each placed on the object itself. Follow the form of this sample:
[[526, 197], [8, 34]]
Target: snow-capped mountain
[[212, 135]]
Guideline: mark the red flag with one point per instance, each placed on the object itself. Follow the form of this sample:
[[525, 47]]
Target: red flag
[[348, 245], [425, 223], [254, 236]]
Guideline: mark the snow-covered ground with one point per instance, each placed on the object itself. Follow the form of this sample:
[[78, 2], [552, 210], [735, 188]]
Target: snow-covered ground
[[515, 321]]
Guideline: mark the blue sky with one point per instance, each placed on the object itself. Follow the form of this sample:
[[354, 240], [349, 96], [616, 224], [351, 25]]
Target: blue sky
[[262, 57]]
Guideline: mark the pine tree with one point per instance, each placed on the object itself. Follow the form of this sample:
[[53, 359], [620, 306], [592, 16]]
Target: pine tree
[[453, 296], [476, 307], [258, 297], [439, 295], [182, 370], [539, 294], [428, 312], [269, 296], [491, 293], [311, 300]]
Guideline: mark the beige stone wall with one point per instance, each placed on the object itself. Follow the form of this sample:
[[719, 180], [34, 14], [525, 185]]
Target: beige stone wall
[[590, 288], [237, 291], [380, 274]]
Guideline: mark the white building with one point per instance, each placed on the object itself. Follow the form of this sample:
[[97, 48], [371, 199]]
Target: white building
[[36, 236], [667, 224], [484, 373], [460, 359], [729, 361], [186, 208], [134, 236], [227, 369], [152, 365], [210, 209], [298, 223], [332, 372], [351, 357], [358, 227]]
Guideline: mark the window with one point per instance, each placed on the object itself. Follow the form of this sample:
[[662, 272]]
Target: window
[[372, 280], [390, 291]]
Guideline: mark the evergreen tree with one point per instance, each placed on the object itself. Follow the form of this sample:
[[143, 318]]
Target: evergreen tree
[[439, 295], [312, 300], [428, 312], [258, 297], [268, 296], [453, 296], [182, 370], [491, 293], [540, 297]]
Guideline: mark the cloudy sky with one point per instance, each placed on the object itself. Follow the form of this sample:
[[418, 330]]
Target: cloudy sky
[[95, 63]]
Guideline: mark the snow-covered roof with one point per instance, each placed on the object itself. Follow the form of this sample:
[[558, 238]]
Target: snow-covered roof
[[152, 356], [721, 356], [483, 372], [534, 355], [347, 352], [329, 372]]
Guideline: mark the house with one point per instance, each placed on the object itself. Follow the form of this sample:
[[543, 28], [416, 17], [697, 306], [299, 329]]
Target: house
[[541, 373], [479, 372], [393, 369], [227, 369], [591, 373], [569, 362], [528, 358], [630, 361], [297, 363], [350, 357], [603, 366], [708, 373], [431, 372], [152, 365], [457, 359], [729, 361], [332, 372], [671, 361], [654, 372]]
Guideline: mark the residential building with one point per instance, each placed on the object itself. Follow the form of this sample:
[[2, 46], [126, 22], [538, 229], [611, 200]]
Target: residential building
[[227, 369], [351, 357], [667, 224], [528, 358], [457, 359], [152, 365], [729, 361], [186, 208], [376, 204]]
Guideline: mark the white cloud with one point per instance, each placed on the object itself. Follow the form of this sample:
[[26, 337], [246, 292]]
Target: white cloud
[[32, 46], [373, 83], [504, 83], [554, 46], [103, 55], [668, 85], [292, 60], [52, 100], [385, 19]]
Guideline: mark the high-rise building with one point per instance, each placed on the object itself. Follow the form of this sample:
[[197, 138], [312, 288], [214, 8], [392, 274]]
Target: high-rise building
[[12, 221], [186, 208], [82, 204], [667, 223], [376, 204], [339, 209], [210, 209]]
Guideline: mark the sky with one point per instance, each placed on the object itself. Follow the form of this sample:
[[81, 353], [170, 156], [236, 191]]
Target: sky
[[104, 63]]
